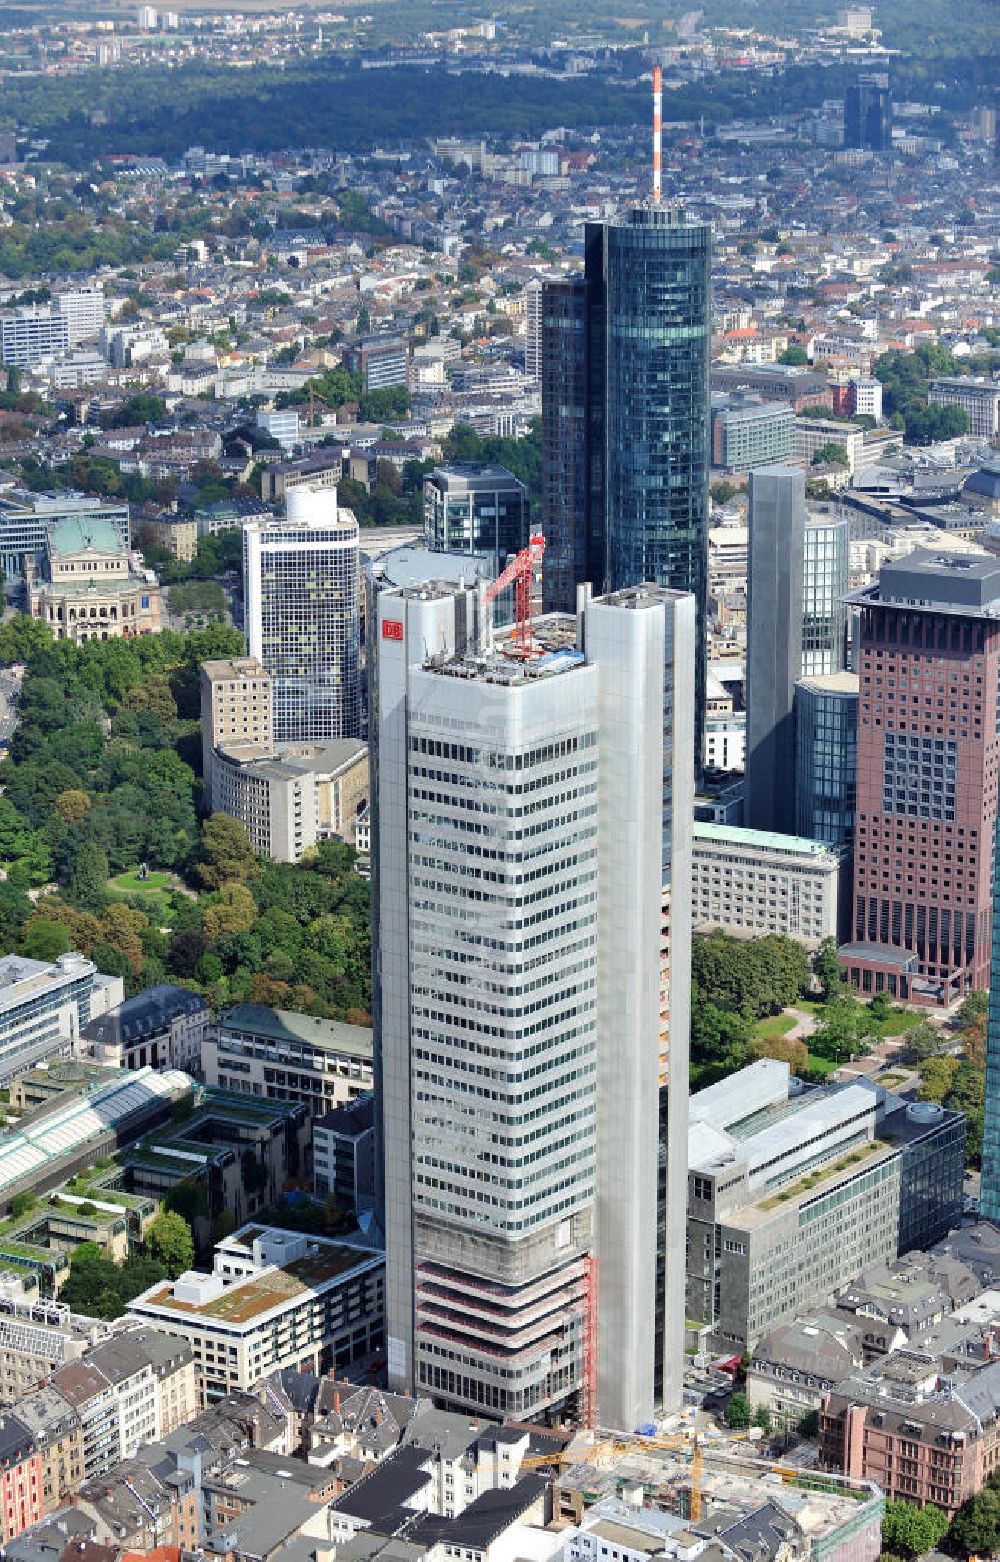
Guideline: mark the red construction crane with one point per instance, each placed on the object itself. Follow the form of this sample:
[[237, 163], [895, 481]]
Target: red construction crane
[[520, 570]]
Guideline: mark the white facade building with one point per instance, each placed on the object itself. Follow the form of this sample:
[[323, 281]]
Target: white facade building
[[753, 882], [978, 399], [274, 1299], [43, 1007], [518, 860], [83, 310], [302, 598]]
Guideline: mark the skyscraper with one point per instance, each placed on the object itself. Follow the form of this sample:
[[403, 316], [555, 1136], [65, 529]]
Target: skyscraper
[[518, 879], [928, 750], [989, 1189], [825, 579], [533, 330], [868, 114], [774, 643], [301, 595], [625, 414], [826, 757]]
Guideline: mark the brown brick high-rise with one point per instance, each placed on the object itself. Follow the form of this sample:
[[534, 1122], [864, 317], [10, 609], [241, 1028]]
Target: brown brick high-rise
[[927, 777]]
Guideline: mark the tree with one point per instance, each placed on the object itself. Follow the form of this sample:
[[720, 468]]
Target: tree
[[787, 1050], [922, 1042], [738, 1411], [827, 968], [73, 805], [831, 454], [45, 939], [88, 878], [226, 853], [233, 910], [170, 1241], [723, 491], [975, 1529], [911, 1530], [794, 354]]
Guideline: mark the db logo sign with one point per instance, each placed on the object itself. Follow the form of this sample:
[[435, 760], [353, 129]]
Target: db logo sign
[[392, 629]]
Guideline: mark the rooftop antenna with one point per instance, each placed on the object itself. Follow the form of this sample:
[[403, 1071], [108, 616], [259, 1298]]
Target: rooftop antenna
[[657, 129]]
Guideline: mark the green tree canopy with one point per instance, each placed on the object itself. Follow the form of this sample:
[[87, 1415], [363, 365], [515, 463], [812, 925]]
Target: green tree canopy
[[169, 1241]]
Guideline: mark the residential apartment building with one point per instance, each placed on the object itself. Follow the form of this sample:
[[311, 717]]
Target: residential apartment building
[[274, 1299], [289, 1057], [235, 708], [290, 796], [20, 1477], [162, 1027], [748, 432], [27, 336], [58, 1438], [127, 1390], [754, 882], [301, 589], [83, 310], [928, 751], [794, 1190], [344, 1153], [381, 361], [26, 519], [37, 1335], [490, 1272], [979, 399]]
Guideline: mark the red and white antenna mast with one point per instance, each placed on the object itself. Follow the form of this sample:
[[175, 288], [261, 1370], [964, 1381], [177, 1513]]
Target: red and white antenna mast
[[657, 130]]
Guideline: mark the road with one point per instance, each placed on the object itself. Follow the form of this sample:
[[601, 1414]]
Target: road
[[8, 707]]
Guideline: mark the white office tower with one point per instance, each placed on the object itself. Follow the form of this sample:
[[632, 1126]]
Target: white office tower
[[301, 596], [517, 866]]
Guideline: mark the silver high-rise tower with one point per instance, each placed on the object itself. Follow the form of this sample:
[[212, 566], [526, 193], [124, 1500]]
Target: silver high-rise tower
[[518, 876]]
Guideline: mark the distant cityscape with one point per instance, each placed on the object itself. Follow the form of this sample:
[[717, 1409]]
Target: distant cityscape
[[499, 772]]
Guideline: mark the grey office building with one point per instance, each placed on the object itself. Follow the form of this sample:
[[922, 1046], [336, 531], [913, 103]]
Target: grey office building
[[774, 643], [793, 1191], [518, 863]]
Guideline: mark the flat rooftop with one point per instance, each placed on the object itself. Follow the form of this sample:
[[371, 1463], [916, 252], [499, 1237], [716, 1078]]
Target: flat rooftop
[[244, 1301], [285, 1028], [764, 841], [935, 581]]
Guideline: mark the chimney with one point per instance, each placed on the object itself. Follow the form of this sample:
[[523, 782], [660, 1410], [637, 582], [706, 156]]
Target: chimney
[[657, 129], [336, 1401]]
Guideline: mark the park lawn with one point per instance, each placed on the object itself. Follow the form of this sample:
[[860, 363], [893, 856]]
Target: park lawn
[[131, 883], [898, 1024], [822, 1065], [774, 1025]]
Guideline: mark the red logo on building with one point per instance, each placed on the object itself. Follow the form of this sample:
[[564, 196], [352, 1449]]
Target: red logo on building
[[392, 629]]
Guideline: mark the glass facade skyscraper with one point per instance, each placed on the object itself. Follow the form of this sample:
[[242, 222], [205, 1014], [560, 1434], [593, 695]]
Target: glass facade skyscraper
[[825, 579], [826, 757], [626, 386], [989, 1190]]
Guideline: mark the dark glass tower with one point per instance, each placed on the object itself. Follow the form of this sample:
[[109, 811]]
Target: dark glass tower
[[868, 114], [625, 354]]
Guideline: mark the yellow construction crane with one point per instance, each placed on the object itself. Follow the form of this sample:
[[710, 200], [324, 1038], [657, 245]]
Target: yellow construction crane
[[577, 1454]]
